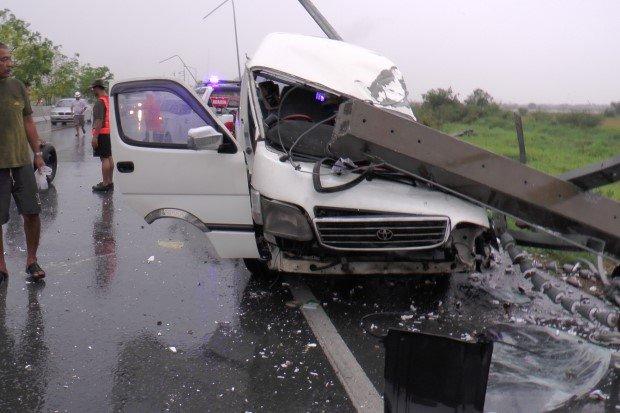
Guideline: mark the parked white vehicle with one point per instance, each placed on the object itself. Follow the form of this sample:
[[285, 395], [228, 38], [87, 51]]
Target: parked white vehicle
[[222, 96], [61, 112], [255, 197]]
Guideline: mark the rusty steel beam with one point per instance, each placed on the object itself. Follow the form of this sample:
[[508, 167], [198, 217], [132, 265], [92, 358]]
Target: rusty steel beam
[[363, 131], [595, 175]]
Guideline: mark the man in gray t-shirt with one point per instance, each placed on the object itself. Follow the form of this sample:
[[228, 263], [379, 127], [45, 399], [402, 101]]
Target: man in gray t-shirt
[[78, 107]]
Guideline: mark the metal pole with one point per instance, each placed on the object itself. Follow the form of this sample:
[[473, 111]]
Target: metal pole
[[236, 40], [184, 66], [320, 20], [520, 138]]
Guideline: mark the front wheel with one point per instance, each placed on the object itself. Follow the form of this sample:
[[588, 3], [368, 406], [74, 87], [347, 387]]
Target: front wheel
[[54, 123], [50, 159], [257, 268]]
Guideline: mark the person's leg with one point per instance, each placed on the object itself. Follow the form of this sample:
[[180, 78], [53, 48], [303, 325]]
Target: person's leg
[[111, 169], [5, 202], [2, 262], [76, 120], [107, 167], [104, 170], [26, 195], [32, 228]]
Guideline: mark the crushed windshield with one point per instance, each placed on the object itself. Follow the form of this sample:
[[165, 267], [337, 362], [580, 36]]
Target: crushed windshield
[[298, 119]]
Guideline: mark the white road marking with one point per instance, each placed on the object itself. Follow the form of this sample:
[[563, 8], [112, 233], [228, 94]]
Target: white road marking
[[359, 388]]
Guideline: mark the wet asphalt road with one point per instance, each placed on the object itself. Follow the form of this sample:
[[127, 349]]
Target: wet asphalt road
[[112, 329]]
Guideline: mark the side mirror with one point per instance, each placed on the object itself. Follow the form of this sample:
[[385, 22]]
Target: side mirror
[[204, 138]]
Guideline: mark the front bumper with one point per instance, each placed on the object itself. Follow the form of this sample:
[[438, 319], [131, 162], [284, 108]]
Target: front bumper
[[61, 118], [282, 263]]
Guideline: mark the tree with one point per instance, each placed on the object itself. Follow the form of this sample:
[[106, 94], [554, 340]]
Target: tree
[[613, 109], [89, 73], [436, 98], [479, 98], [52, 74], [442, 105], [33, 53]]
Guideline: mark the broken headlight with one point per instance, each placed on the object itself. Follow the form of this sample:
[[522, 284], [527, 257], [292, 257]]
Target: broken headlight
[[285, 221]]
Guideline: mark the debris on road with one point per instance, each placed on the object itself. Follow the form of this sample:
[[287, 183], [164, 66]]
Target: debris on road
[[172, 245]]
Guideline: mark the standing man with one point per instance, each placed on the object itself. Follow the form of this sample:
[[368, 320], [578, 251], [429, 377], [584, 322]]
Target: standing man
[[78, 107], [101, 136], [17, 131]]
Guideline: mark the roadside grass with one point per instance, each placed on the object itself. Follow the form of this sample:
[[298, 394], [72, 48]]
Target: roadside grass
[[551, 147]]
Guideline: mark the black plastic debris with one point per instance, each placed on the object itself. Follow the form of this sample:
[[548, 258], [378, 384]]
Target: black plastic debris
[[431, 373]]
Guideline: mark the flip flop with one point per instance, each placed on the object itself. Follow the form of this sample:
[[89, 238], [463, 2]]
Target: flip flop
[[35, 271]]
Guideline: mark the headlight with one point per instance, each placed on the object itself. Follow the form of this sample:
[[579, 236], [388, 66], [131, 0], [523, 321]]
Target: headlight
[[285, 220]]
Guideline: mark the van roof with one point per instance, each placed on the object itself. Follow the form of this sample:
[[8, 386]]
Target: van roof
[[334, 66]]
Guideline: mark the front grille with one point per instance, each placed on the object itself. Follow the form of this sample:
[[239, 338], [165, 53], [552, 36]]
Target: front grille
[[372, 233]]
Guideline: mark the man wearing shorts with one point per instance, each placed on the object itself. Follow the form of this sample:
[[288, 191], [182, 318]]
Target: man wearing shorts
[[101, 136], [17, 132], [78, 107]]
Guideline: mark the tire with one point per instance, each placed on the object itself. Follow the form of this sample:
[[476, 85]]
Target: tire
[[257, 268], [54, 123], [51, 160], [64, 123]]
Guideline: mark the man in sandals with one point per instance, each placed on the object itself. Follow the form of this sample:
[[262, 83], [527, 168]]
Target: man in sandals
[[101, 136], [17, 131], [78, 107]]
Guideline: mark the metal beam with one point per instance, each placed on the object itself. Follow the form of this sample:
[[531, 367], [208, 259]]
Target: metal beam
[[320, 20], [363, 131], [594, 175]]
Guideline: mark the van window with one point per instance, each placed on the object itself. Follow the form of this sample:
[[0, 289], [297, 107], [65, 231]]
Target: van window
[[156, 117]]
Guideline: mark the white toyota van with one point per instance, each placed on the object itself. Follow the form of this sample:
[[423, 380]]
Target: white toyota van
[[275, 196]]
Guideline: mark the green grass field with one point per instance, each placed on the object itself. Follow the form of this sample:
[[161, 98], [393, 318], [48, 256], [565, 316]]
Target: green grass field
[[551, 147]]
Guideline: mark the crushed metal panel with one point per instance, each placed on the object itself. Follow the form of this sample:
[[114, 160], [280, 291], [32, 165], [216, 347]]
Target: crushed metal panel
[[431, 373], [365, 132]]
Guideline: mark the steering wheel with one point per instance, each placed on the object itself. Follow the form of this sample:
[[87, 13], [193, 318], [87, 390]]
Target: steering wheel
[[298, 116]]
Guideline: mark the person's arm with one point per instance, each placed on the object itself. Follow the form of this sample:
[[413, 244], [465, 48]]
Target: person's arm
[[31, 131], [34, 141], [98, 114]]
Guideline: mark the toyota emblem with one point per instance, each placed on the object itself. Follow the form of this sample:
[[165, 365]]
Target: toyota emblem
[[384, 234]]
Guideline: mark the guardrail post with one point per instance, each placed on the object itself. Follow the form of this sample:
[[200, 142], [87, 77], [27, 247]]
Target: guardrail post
[[520, 138]]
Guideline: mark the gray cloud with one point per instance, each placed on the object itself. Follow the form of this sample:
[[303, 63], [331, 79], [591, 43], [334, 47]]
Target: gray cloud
[[520, 51]]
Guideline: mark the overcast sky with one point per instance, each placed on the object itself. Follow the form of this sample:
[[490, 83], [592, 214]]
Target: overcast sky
[[544, 51]]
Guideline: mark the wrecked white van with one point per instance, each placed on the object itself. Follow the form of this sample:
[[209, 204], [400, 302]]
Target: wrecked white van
[[275, 196]]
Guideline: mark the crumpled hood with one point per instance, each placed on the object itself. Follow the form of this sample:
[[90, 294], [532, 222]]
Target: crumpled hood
[[279, 180]]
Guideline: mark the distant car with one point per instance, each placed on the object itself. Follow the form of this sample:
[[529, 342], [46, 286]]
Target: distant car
[[223, 97], [61, 112]]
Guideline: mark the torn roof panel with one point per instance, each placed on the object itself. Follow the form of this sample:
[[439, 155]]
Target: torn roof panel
[[337, 66]]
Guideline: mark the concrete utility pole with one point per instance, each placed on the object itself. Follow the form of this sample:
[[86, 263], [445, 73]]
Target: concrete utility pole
[[235, 26], [320, 20]]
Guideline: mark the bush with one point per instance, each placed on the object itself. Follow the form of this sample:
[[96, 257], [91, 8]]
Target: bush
[[574, 119], [613, 110], [479, 98], [441, 105], [578, 119]]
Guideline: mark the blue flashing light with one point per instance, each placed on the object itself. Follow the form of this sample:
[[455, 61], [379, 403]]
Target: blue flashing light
[[320, 97]]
